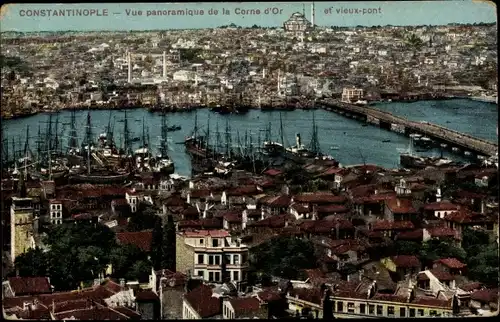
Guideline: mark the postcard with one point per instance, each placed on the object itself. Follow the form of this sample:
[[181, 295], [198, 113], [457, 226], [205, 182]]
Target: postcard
[[249, 160]]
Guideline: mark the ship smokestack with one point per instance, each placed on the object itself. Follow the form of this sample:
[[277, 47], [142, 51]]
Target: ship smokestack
[[298, 140], [164, 64]]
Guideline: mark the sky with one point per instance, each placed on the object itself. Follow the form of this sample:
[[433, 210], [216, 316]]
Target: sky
[[16, 17]]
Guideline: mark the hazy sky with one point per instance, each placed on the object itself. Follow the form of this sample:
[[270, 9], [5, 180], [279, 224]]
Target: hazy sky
[[14, 16]]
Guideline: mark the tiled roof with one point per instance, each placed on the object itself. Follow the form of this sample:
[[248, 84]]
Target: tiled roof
[[486, 295], [440, 206], [332, 209], [406, 261], [433, 302], [443, 232], [233, 218], [451, 263], [146, 295], [299, 208], [410, 235], [30, 285], [199, 193], [312, 295], [441, 275], [400, 206], [319, 198], [141, 239], [463, 216], [202, 233], [244, 305], [389, 298], [202, 302], [392, 225], [95, 313], [268, 296]]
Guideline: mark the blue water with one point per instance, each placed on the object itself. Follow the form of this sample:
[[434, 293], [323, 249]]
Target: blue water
[[357, 144]]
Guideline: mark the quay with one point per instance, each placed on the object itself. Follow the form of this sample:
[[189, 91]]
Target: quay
[[386, 120]]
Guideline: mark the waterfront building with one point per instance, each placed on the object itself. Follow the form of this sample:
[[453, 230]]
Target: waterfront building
[[56, 212], [350, 95], [213, 255]]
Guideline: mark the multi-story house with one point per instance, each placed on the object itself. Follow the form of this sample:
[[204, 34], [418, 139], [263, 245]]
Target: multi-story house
[[213, 255]]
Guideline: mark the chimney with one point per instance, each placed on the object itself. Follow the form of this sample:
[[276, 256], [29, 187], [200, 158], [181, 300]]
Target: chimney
[[164, 64]]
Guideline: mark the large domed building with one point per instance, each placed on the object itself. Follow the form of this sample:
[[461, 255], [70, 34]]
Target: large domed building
[[297, 23]]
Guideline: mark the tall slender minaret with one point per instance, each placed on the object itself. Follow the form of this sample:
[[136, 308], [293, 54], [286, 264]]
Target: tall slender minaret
[[312, 14], [164, 64], [129, 61]]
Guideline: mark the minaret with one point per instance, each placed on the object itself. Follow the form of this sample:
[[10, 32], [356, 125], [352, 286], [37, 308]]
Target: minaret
[[164, 64], [129, 61], [312, 15]]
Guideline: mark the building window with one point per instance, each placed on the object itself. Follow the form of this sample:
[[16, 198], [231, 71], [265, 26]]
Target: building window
[[227, 258], [390, 310], [380, 309], [217, 276], [201, 273], [201, 259], [215, 242], [236, 275], [210, 276], [201, 241], [217, 260], [371, 309], [412, 313], [236, 259], [420, 312], [210, 259], [362, 309], [402, 312], [340, 306], [432, 312], [350, 307], [333, 306]]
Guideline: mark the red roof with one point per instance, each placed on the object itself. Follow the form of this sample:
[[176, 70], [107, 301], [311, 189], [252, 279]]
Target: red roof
[[392, 225], [29, 285], [141, 239], [432, 301], [233, 218], [244, 305], [199, 193], [273, 172], [441, 206], [410, 235], [311, 295], [441, 275], [211, 233], [451, 263], [202, 302], [319, 197], [299, 208], [268, 296], [463, 216], [443, 232], [406, 261], [332, 209], [486, 295], [146, 295], [400, 206]]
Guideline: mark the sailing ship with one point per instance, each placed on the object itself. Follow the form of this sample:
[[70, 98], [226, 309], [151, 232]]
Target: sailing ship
[[162, 163], [409, 160]]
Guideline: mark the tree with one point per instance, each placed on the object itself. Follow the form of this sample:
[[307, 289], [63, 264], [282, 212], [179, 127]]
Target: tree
[[169, 245], [473, 241], [123, 258], [483, 267], [435, 249], [283, 256], [404, 247], [32, 263], [139, 271]]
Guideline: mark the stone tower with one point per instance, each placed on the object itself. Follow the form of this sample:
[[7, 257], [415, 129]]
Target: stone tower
[[21, 226]]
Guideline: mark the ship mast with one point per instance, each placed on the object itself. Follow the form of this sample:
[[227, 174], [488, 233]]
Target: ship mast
[[88, 139], [314, 145], [126, 138], [281, 132], [164, 132], [228, 139], [73, 134]]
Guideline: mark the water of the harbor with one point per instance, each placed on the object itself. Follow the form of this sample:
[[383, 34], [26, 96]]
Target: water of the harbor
[[346, 140]]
